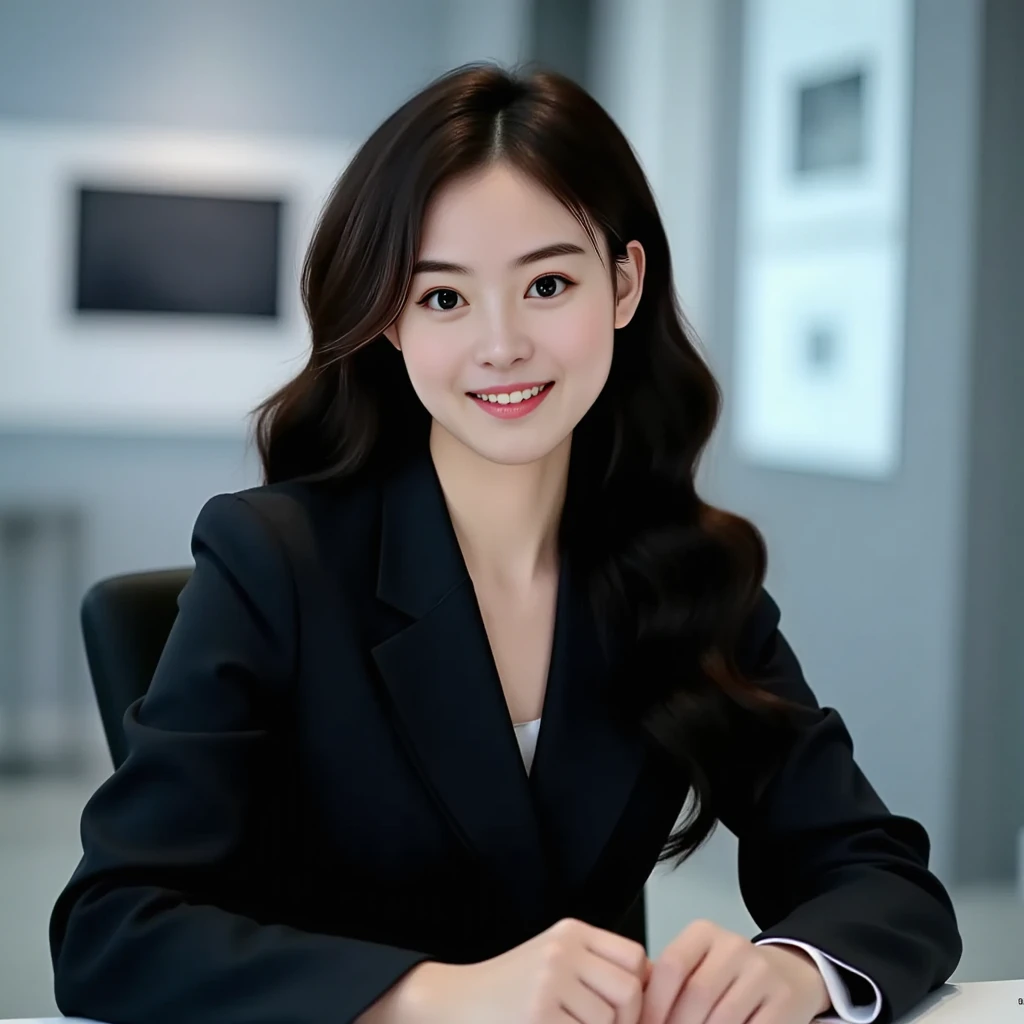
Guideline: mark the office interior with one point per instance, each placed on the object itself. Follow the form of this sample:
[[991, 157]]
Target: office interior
[[895, 546]]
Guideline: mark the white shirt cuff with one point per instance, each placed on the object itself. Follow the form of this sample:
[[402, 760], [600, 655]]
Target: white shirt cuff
[[838, 990]]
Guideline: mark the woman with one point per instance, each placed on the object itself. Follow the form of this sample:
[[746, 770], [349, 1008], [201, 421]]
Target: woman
[[479, 523]]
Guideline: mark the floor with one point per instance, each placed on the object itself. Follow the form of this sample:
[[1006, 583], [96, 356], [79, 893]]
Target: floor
[[39, 848]]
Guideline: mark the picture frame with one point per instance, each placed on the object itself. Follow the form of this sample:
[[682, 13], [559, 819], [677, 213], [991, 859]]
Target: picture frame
[[820, 274]]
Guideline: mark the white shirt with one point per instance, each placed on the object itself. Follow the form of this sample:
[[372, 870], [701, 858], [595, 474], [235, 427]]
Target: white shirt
[[838, 990], [527, 733]]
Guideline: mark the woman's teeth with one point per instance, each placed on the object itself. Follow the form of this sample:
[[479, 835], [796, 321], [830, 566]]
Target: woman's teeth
[[511, 397]]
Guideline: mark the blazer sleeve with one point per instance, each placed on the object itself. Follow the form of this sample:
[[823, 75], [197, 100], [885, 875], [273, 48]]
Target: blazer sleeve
[[151, 928], [822, 860]]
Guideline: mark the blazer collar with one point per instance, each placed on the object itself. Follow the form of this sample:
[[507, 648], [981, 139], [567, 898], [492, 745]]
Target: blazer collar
[[539, 835], [420, 558]]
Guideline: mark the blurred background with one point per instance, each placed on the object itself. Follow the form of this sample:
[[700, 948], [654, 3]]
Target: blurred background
[[843, 186]]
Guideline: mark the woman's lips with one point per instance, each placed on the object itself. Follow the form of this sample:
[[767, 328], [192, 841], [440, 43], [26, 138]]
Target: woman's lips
[[512, 403]]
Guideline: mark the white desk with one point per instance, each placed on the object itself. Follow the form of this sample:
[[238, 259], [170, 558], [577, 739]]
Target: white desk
[[979, 1002]]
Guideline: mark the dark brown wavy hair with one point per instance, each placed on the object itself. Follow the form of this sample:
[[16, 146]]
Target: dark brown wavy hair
[[679, 576]]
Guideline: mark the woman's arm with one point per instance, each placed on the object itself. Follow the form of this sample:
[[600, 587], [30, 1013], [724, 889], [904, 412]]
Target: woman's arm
[[823, 862], [154, 925]]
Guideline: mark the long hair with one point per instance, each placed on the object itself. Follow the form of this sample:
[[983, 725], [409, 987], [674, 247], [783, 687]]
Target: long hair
[[679, 576]]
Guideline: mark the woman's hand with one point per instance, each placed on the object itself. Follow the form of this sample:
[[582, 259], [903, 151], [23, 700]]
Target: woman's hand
[[708, 975], [573, 973]]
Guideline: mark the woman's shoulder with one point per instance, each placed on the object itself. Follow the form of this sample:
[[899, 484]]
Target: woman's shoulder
[[319, 503], [306, 521], [759, 632]]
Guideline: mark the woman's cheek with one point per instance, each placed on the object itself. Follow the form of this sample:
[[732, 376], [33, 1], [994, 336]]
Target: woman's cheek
[[433, 361], [585, 339]]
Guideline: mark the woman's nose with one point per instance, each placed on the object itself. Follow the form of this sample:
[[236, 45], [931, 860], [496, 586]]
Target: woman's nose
[[503, 343]]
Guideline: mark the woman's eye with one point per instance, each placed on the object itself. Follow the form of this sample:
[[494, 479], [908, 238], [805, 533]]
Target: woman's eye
[[548, 286], [441, 299]]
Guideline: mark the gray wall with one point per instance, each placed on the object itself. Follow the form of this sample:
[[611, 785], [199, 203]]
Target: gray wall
[[322, 67], [990, 792], [904, 597], [560, 36], [901, 597], [287, 67], [327, 68], [305, 67]]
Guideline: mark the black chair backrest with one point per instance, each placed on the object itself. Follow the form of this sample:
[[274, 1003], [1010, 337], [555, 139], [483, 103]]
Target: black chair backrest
[[125, 624]]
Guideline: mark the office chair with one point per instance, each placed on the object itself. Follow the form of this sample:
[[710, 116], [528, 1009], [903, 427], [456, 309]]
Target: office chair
[[125, 624]]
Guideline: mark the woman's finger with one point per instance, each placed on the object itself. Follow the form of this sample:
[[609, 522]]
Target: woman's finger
[[629, 955], [586, 1006], [671, 970], [617, 986], [743, 999], [707, 986]]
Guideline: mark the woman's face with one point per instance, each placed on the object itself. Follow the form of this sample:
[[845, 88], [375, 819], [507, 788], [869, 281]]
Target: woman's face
[[508, 327]]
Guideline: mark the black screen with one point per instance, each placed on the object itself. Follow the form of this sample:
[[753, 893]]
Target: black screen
[[154, 252]]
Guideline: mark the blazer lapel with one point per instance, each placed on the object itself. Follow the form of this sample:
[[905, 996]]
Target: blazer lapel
[[588, 760], [444, 686]]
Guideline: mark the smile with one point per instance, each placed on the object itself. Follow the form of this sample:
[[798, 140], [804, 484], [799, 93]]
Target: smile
[[510, 397], [513, 403]]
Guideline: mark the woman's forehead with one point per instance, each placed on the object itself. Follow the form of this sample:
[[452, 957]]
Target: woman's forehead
[[498, 214]]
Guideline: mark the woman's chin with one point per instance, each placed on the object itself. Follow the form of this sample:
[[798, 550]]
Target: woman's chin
[[503, 444], [510, 451], [513, 455]]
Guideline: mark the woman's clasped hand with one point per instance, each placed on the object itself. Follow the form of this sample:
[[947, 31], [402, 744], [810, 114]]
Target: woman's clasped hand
[[708, 975], [575, 973]]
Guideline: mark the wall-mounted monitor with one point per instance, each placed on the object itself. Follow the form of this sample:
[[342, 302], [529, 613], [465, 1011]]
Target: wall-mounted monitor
[[167, 252], [150, 278]]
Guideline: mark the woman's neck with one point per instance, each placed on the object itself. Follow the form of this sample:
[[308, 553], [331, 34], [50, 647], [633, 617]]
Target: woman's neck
[[506, 518]]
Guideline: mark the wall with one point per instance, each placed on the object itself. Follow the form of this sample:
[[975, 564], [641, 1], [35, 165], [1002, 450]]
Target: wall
[[318, 69], [888, 589], [245, 65], [901, 598], [990, 792], [316, 66], [870, 576], [654, 65]]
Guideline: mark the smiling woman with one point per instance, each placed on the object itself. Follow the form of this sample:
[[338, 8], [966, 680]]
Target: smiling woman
[[524, 331], [444, 690]]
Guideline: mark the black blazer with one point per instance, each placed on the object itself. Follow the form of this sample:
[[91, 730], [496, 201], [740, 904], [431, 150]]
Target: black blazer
[[324, 788]]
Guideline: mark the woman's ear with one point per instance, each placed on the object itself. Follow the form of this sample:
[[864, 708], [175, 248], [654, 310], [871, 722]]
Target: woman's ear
[[629, 279]]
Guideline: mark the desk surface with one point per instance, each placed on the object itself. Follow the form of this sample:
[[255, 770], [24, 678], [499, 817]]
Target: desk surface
[[979, 1002], [990, 1002]]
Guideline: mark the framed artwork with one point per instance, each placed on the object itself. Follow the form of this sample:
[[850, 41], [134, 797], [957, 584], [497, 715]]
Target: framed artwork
[[822, 211], [821, 387], [150, 279]]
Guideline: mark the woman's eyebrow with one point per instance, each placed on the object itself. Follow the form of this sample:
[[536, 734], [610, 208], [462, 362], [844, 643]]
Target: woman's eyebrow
[[558, 249], [444, 267], [438, 267]]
